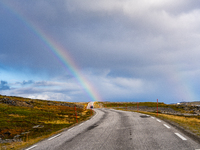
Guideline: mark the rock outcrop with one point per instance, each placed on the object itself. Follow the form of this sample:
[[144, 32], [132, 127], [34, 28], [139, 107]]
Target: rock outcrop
[[15, 102]]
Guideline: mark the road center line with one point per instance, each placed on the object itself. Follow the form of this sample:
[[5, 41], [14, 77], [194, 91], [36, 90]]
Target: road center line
[[166, 126], [31, 147], [54, 137], [181, 136], [158, 120]]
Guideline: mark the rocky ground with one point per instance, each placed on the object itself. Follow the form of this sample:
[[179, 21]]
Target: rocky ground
[[186, 110], [30, 103], [13, 134]]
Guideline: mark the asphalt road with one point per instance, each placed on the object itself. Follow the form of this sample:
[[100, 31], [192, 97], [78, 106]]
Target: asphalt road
[[119, 130]]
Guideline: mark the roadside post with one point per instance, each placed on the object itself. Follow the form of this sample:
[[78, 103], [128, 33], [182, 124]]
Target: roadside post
[[91, 111], [157, 107], [76, 114]]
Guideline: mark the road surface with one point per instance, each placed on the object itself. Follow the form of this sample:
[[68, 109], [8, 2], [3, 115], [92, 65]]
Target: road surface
[[119, 130]]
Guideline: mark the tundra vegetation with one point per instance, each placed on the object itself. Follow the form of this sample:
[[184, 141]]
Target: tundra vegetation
[[185, 115], [25, 121]]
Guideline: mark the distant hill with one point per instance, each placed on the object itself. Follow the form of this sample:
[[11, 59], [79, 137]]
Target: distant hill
[[195, 103]]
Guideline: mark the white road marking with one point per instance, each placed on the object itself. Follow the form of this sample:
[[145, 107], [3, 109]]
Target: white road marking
[[152, 117], [31, 147], [54, 137], [166, 126], [81, 124], [158, 120], [70, 129], [180, 136]]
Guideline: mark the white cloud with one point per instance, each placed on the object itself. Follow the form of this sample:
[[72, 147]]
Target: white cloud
[[50, 96], [43, 96]]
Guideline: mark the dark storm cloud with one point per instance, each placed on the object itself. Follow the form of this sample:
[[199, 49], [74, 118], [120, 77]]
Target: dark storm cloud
[[21, 46], [152, 44]]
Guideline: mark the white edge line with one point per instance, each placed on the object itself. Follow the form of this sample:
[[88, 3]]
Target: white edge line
[[81, 124], [70, 129], [158, 120], [181, 136], [54, 137], [31, 147], [166, 126], [152, 117]]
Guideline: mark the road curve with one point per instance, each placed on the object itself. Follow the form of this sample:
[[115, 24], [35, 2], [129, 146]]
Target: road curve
[[119, 130]]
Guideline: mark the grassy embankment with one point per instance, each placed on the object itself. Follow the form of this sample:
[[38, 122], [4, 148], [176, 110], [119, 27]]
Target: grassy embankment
[[33, 120], [191, 123]]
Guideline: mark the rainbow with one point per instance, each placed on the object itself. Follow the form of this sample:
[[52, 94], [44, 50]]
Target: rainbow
[[61, 54]]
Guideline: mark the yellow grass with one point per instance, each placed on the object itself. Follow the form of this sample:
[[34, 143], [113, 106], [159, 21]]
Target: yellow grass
[[66, 116], [16, 115], [189, 123], [22, 144], [192, 124], [56, 122], [97, 105], [55, 117], [84, 112]]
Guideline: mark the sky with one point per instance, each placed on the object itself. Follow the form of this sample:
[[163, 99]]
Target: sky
[[100, 50]]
